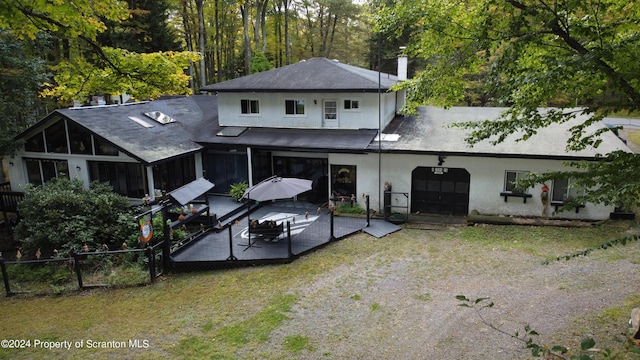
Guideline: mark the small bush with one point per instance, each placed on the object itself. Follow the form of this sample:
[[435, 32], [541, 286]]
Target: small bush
[[348, 208]]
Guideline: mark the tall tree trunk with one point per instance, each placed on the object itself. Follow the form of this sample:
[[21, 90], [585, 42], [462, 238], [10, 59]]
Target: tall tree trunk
[[218, 44], [247, 40], [310, 42], [263, 24], [287, 40], [277, 30], [189, 41], [201, 42], [257, 26], [333, 32]]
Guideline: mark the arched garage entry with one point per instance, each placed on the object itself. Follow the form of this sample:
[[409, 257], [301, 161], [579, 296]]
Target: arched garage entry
[[439, 190]]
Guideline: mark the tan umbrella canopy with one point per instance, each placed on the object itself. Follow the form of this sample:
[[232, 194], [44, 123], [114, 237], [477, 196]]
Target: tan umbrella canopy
[[277, 187]]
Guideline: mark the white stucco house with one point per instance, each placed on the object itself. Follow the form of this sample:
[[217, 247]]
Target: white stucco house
[[317, 119]]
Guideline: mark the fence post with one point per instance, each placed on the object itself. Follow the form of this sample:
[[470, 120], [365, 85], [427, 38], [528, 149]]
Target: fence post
[[231, 256], [76, 265], [152, 263], [166, 247], [368, 213], [289, 239], [5, 277], [331, 237]]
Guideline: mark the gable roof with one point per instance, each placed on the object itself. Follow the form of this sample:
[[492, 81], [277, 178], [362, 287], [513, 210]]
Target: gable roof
[[149, 145], [313, 75], [431, 132]]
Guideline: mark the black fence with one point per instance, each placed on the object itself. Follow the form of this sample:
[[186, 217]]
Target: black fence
[[83, 270], [241, 243]]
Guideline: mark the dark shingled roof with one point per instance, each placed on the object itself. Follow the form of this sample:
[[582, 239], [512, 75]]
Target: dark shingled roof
[[148, 145], [303, 139], [313, 75], [432, 132], [196, 125]]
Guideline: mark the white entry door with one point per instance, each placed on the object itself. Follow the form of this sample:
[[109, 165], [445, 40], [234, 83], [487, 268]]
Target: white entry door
[[330, 118]]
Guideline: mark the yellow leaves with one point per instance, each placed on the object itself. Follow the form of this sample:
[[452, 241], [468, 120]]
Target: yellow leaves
[[70, 18], [143, 76]]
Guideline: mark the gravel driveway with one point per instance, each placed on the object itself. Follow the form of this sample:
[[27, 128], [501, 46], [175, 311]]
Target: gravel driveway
[[400, 304]]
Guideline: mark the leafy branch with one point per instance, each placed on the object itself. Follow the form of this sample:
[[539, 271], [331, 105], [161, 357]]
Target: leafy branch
[[537, 350], [613, 242]]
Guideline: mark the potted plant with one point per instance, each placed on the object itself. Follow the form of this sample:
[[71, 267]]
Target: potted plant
[[237, 190]]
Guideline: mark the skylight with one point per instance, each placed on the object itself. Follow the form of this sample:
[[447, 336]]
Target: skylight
[[160, 117], [140, 121]]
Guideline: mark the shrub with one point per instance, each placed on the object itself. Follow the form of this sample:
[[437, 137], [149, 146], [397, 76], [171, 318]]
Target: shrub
[[64, 215], [348, 208]]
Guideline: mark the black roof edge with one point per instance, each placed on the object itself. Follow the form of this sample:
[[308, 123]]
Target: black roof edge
[[384, 89], [158, 162], [489, 155], [310, 150]]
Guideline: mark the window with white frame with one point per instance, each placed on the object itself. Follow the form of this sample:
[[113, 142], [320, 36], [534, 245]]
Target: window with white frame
[[351, 105], [294, 107], [249, 106], [510, 180]]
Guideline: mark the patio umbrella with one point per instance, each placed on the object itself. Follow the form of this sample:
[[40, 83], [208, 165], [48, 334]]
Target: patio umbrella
[[277, 188]]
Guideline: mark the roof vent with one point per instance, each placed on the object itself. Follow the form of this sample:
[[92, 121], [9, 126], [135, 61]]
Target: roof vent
[[160, 117]]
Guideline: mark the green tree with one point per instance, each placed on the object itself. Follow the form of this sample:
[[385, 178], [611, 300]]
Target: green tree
[[21, 77], [578, 56], [77, 24], [64, 215], [260, 63], [146, 29]]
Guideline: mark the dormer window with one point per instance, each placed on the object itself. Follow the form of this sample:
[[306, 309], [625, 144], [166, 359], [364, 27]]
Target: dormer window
[[294, 107], [160, 117], [249, 106]]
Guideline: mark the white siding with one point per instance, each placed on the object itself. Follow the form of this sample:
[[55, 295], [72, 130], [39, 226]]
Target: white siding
[[272, 110], [487, 181]]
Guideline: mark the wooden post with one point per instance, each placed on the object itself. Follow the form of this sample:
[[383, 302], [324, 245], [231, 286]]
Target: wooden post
[[331, 237], [368, 212], [166, 245], [289, 239], [5, 277], [152, 263], [76, 265]]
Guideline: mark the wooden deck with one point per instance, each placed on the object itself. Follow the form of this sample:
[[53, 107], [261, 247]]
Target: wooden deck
[[229, 246]]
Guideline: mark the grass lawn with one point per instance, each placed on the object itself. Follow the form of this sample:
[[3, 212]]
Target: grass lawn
[[237, 313]]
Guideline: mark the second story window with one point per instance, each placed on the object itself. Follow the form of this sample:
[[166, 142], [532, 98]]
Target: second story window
[[249, 106], [351, 105], [294, 107]]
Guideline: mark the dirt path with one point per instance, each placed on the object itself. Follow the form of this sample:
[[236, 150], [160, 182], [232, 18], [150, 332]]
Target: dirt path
[[405, 307]]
